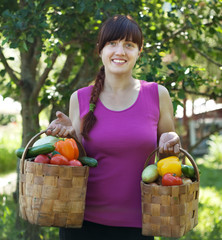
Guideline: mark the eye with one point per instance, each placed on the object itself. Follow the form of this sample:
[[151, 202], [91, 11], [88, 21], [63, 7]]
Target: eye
[[112, 43], [129, 45]]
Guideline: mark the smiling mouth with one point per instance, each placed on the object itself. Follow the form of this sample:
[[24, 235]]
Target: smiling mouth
[[118, 61]]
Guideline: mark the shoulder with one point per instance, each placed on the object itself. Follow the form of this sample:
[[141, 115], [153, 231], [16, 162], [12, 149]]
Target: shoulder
[[84, 90], [74, 102], [74, 97], [165, 102], [148, 84], [80, 95], [163, 92], [149, 87]]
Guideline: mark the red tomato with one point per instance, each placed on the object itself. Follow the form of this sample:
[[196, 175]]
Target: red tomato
[[170, 179], [41, 158], [59, 159], [75, 162]]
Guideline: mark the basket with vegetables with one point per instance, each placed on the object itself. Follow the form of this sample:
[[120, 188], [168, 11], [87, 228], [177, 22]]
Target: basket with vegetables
[[170, 192], [53, 181]]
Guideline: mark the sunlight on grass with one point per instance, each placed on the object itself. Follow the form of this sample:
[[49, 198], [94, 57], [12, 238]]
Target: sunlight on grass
[[10, 140], [210, 208]]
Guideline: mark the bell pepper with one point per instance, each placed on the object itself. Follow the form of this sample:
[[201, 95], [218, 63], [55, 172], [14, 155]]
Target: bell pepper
[[169, 165], [67, 148], [171, 179]]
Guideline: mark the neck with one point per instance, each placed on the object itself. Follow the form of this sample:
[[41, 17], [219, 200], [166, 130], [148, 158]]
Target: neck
[[118, 83]]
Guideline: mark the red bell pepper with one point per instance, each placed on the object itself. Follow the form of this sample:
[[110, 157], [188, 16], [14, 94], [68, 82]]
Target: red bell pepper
[[170, 179]]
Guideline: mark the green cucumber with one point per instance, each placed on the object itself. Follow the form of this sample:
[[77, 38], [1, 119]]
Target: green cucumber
[[35, 151], [188, 171], [91, 162], [150, 174]]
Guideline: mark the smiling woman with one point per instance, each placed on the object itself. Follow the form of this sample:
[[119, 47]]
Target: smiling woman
[[120, 120], [119, 56]]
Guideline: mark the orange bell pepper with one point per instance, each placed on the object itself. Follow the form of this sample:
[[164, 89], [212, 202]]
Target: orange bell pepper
[[67, 148]]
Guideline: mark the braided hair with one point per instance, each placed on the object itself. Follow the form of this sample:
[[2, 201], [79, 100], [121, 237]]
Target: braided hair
[[118, 27]]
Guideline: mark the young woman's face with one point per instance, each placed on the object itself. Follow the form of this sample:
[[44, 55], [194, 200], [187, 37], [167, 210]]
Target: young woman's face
[[119, 56]]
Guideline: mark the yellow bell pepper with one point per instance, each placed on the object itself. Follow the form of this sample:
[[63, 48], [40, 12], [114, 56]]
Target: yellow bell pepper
[[169, 165]]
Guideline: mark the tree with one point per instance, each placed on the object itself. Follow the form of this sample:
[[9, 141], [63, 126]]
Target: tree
[[56, 42]]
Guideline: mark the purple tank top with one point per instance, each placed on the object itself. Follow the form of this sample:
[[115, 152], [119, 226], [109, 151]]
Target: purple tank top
[[121, 141]]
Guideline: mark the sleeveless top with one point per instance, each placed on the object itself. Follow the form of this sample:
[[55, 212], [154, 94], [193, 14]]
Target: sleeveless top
[[121, 141]]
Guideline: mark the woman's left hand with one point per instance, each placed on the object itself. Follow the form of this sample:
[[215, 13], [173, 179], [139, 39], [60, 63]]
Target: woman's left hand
[[169, 143]]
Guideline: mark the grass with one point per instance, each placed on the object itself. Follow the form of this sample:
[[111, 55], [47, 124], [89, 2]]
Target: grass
[[10, 140], [8, 216]]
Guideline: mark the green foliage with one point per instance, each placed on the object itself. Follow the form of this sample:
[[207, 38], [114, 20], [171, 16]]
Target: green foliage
[[7, 219], [181, 30], [176, 36], [214, 157], [9, 142], [7, 118], [8, 4], [8, 160], [8, 229], [23, 25]]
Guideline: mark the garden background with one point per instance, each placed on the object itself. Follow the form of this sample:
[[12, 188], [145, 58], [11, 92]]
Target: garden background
[[48, 50]]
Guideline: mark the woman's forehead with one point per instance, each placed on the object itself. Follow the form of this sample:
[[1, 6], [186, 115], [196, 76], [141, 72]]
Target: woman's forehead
[[127, 38]]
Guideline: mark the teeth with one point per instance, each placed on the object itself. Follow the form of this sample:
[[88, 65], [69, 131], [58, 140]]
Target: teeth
[[118, 61]]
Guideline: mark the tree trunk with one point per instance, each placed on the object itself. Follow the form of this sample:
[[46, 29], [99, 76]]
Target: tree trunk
[[30, 125], [30, 119]]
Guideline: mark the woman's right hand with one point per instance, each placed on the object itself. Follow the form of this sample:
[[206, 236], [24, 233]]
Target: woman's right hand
[[61, 127]]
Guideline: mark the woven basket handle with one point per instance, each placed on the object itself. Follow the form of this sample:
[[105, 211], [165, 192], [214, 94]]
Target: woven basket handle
[[185, 153], [33, 139]]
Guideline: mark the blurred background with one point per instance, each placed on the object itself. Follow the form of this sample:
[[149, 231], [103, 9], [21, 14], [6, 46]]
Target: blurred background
[[48, 50]]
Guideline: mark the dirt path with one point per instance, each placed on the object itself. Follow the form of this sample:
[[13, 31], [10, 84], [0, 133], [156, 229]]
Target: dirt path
[[8, 183]]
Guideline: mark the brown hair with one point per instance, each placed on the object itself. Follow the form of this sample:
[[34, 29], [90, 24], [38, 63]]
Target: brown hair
[[118, 27]]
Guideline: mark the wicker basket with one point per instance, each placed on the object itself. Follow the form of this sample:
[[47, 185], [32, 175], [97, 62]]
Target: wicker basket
[[170, 211], [52, 195]]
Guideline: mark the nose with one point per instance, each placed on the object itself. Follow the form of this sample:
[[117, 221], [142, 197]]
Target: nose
[[120, 49]]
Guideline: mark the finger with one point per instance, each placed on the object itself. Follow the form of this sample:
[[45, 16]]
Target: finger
[[56, 130], [170, 149], [165, 147], [61, 115], [172, 142], [61, 132], [50, 128], [48, 132], [160, 149], [177, 148], [66, 133]]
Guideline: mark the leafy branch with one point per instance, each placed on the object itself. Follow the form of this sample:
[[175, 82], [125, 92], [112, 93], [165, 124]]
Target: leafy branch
[[8, 69], [205, 55]]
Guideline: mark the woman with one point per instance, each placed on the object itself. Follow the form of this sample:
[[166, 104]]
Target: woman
[[120, 120]]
